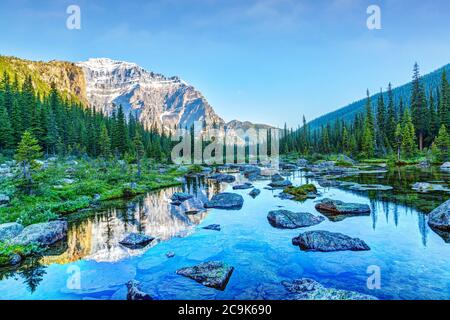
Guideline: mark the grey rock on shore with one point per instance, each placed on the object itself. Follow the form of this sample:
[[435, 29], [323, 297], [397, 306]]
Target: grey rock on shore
[[10, 230], [42, 234]]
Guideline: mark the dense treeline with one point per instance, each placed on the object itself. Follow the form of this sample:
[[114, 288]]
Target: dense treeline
[[392, 127], [64, 127]]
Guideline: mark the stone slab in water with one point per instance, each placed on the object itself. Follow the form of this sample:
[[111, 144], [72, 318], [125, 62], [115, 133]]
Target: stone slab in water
[[285, 219], [214, 274], [326, 241], [181, 196], [243, 186], [42, 234], [280, 184], [308, 289], [225, 200], [134, 291], [337, 207], [215, 227], [136, 240], [10, 230]]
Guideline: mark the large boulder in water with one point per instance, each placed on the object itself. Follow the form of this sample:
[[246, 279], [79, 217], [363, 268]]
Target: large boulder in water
[[439, 218], [308, 289], [332, 208], [10, 230], [42, 234], [136, 240], [214, 274], [246, 185], [326, 241], [225, 200], [181, 196], [446, 166], [280, 184], [286, 219], [134, 291]]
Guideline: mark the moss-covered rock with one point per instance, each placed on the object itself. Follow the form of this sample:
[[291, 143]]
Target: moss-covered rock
[[301, 193]]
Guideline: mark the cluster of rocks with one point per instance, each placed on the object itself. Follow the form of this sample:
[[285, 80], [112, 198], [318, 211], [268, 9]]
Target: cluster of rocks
[[40, 234]]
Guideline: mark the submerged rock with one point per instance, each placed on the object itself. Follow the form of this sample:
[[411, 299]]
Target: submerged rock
[[285, 219], [365, 187], [326, 241], [225, 200], [181, 196], [251, 172], [136, 240], [280, 184], [308, 289], [426, 187], [215, 227], [170, 254], [42, 234], [331, 207], [214, 274], [246, 185], [439, 218], [10, 230], [254, 193], [220, 177], [277, 177], [135, 292], [325, 183]]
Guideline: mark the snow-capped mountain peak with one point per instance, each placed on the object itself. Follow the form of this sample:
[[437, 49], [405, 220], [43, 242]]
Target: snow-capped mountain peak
[[158, 101]]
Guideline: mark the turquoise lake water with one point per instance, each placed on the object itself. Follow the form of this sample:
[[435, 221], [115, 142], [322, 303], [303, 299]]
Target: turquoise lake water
[[413, 260]]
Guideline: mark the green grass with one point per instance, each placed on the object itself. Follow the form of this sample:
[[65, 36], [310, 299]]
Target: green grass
[[51, 198], [8, 250]]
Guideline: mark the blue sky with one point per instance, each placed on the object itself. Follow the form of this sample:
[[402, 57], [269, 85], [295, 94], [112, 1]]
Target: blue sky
[[268, 61]]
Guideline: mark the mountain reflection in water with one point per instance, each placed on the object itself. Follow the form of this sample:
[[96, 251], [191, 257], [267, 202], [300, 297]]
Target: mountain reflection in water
[[97, 237]]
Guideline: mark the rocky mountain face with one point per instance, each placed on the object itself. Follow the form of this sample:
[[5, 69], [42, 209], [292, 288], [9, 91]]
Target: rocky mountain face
[[104, 84], [158, 101]]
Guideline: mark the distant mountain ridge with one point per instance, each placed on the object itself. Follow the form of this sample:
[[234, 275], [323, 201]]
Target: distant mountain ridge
[[430, 81], [103, 84]]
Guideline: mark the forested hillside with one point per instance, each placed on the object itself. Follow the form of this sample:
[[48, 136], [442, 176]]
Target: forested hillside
[[64, 126], [405, 126], [347, 113]]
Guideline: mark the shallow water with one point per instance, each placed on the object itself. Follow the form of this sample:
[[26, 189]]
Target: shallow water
[[413, 259]]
